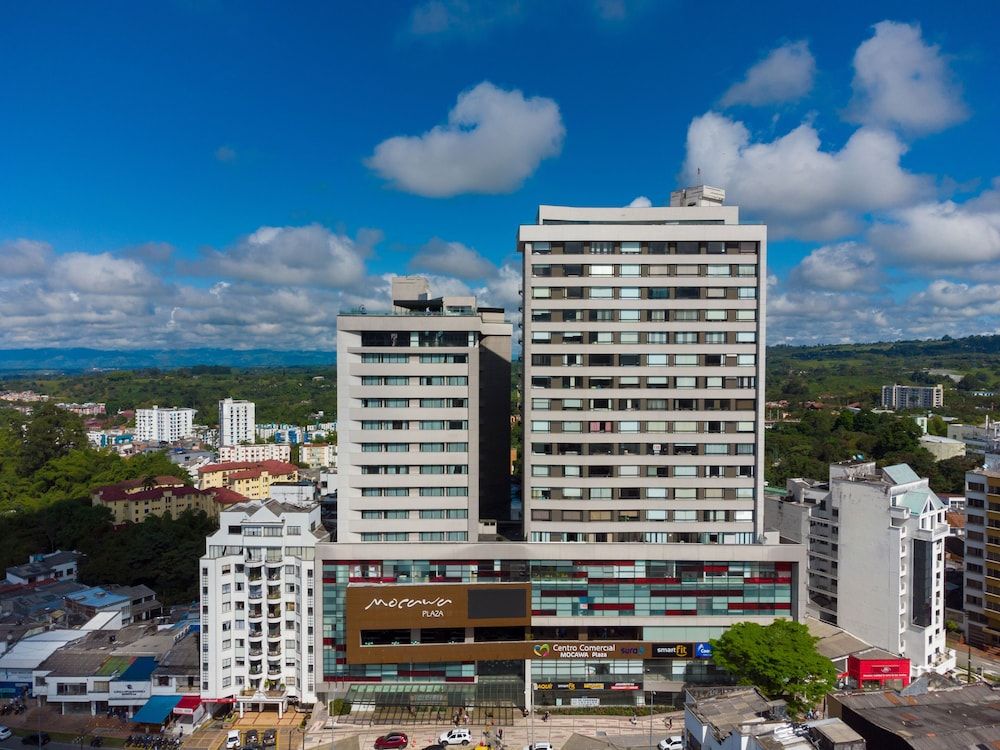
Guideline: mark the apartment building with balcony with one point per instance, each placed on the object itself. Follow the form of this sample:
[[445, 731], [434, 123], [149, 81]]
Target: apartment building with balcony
[[237, 420], [257, 606], [912, 396], [875, 541], [982, 554], [164, 425], [643, 360], [423, 399]]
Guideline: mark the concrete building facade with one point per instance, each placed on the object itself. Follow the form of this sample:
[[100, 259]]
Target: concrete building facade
[[164, 425], [423, 398], [643, 358], [251, 479], [262, 452], [876, 556], [982, 554], [237, 420], [257, 606], [912, 396]]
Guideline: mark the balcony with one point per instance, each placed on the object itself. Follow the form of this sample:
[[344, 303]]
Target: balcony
[[256, 653], [254, 565], [273, 670], [255, 670], [255, 634], [274, 612], [255, 595], [255, 614]]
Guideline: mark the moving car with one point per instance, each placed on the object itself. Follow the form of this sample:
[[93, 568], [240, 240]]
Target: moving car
[[671, 743], [38, 739], [4, 733], [270, 737], [458, 736], [232, 739], [392, 741]]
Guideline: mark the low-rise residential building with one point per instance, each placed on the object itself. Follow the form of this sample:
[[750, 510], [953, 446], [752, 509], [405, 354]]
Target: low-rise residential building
[[252, 479], [942, 447], [258, 609], [912, 396], [978, 439], [318, 455], [57, 566], [863, 520], [258, 452], [116, 672], [959, 716], [743, 719], [303, 492], [133, 604], [164, 425], [135, 500], [89, 409]]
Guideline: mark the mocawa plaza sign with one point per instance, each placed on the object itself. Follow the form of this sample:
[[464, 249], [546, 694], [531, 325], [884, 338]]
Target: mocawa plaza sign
[[428, 607], [394, 606]]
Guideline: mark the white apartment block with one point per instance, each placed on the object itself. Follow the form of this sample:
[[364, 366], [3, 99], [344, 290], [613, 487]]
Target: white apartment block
[[912, 396], [257, 606], [423, 399], [263, 452], [643, 366], [875, 539], [236, 422], [164, 425], [982, 554], [984, 439], [318, 455]]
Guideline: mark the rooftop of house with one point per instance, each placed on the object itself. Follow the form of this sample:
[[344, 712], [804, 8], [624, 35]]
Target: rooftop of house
[[733, 709], [270, 466], [43, 564], [967, 716]]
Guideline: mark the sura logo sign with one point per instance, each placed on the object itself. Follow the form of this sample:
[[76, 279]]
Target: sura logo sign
[[427, 607]]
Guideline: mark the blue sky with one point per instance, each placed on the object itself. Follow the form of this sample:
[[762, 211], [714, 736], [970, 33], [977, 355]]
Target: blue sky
[[232, 174]]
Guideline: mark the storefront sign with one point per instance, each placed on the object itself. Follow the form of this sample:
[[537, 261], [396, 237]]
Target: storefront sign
[[395, 606], [701, 650], [129, 690], [585, 702], [625, 686]]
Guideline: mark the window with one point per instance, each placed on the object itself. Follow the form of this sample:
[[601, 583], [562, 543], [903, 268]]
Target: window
[[631, 248], [630, 316], [602, 270], [685, 338], [746, 337], [747, 292], [656, 337], [541, 292], [686, 360], [629, 292], [630, 271], [656, 360], [601, 292]]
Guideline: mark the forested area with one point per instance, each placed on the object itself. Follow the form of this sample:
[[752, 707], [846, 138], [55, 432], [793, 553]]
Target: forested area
[[46, 473], [807, 447]]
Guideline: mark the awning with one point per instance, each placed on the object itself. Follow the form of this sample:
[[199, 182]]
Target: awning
[[156, 709], [188, 705]]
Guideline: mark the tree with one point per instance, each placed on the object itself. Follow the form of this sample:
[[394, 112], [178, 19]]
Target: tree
[[780, 659], [937, 426], [51, 432]]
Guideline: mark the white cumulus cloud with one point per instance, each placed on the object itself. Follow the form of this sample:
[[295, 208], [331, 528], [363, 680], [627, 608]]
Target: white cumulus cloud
[[23, 257], [944, 233], [842, 267], [793, 183], [785, 74], [493, 141], [454, 258], [901, 81], [303, 256], [640, 201]]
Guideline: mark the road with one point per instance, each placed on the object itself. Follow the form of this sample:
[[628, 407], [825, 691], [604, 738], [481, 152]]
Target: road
[[14, 743]]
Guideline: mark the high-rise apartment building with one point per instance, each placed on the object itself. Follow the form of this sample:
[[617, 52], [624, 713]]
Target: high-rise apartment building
[[257, 605], [875, 539], [164, 425], [237, 420], [982, 554], [423, 399], [643, 355], [912, 396]]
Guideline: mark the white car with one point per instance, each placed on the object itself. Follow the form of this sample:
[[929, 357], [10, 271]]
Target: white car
[[233, 739], [5, 733], [671, 743], [455, 737]]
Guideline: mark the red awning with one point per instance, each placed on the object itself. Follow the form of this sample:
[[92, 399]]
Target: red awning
[[187, 705]]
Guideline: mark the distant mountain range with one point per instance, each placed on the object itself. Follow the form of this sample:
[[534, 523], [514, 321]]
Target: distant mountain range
[[80, 359]]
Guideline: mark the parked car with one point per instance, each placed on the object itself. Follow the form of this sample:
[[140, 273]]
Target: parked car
[[5, 733], [671, 743], [539, 746], [270, 738], [250, 737], [435, 746], [392, 741], [37, 739], [455, 737], [233, 739]]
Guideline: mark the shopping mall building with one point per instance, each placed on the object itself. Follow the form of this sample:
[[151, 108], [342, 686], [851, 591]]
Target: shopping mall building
[[543, 624]]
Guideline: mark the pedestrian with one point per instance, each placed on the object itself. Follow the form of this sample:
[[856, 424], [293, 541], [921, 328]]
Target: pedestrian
[[670, 723]]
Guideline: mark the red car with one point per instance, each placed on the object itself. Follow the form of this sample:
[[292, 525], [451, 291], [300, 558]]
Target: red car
[[391, 741]]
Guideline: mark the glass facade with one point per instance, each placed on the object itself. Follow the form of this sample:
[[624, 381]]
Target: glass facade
[[565, 588]]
